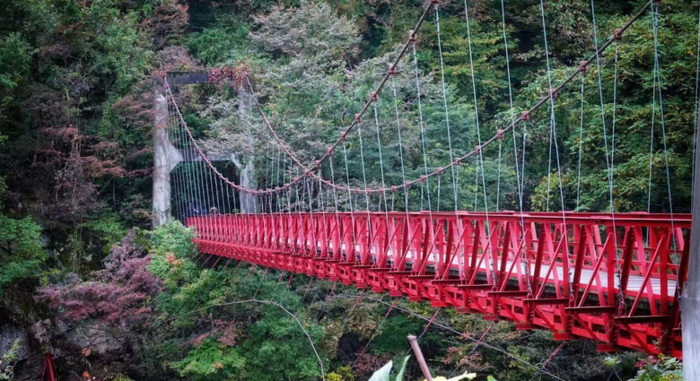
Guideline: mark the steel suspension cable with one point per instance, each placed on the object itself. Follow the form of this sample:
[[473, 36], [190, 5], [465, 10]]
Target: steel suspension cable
[[312, 233], [228, 197], [277, 176], [553, 121], [614, 122], [298, 206], [512, 111], [403, 169], [270, 182], [580, 143], [525, 264], [381, 173], [184, 188], [266, 184], [662, 119], [324, 219], [188, 171], [553, 132], [651, 136], [477, 168], [337, 251], [498, 178], [180, 166], [170, 133], [425, 177], [175, 183], [289, 206], [480, 157], [184, 185], [602, 106], [194, 189], [215, 192], [444, 99], [549, 160], [364, 181], [352, 209], [398, 132], [612, 169]]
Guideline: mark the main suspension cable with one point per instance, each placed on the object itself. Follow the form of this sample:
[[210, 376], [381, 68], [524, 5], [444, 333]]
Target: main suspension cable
[[310, 171]]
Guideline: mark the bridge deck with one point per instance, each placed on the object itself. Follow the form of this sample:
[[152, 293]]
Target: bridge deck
[[581, 275]]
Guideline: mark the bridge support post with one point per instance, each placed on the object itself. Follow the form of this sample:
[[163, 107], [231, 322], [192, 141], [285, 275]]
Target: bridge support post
[[419, 356], [690, 302]]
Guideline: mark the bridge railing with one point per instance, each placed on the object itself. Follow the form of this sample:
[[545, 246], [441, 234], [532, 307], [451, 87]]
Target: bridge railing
[[434, 238]]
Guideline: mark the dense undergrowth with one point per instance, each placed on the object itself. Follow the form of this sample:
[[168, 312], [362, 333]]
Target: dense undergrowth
[[210, 318]]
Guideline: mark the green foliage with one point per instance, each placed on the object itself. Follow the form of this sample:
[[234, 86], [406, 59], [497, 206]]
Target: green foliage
[[210, 361], [7, 361], [172, 238], [11, 272], [15, 60], [661, 369], [106, 228], [119, 53], [20, 238], [343, 373], [222, 43], [249, 340], [3, 185], [21, 250], [393, 335]]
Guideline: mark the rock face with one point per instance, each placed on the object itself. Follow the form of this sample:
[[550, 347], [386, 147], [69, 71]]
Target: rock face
[[8, 335], [96, 340]]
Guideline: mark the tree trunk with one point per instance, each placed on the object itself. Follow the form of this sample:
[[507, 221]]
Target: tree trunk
[[165, 158], [248, 201]]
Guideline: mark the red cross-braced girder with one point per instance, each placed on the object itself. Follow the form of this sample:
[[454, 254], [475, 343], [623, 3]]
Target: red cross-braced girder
[[585, 276]]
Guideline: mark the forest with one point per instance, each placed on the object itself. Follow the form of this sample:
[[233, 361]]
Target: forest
[[86, 274]]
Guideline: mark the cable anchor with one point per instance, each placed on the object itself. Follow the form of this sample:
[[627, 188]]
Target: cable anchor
[[618, 34], [412, 36], [583, 66]]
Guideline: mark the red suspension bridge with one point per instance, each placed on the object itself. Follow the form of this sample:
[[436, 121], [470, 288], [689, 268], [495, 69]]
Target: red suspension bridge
[[582, 279], [612, 277]]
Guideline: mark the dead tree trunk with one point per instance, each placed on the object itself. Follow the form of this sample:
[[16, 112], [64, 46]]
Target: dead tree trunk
[[248, 201], [165, 158]]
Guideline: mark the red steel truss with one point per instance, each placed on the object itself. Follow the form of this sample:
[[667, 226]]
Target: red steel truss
[[615, 279]]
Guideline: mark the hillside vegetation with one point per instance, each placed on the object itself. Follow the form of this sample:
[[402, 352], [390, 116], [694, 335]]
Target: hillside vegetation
[[85, 276]]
